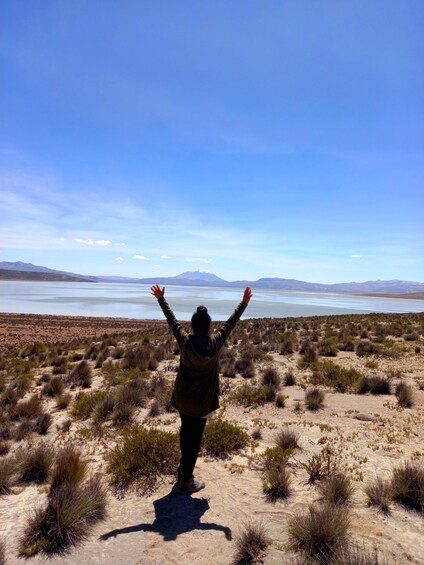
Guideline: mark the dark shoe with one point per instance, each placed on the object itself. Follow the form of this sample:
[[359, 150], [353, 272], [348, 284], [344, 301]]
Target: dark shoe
[[190, 486]]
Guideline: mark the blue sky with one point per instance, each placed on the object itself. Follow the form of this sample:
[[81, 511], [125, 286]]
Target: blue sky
[[249, 139]]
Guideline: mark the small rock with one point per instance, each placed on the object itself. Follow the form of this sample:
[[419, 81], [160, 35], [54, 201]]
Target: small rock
[[364, 417]]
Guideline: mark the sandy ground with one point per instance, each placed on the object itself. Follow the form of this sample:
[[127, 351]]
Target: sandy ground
[[170, 528]]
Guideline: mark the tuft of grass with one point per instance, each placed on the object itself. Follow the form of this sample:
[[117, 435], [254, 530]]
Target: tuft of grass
[[280, 400], [337, 488], [314, 399], [287, 439], [2, 553], [63, 401], [404, 394], [69, 469], [407, 485], [34, 463], [7, 474], [289, 379], [321, 533], [142, 458], [257, 433], [374, 385], [379, 493], [43, 423], [27, 409], [250, 395], [276, 482], [221, 438], [67, 519], [270, 377], [251, 544], [81, 375], [54, 387]]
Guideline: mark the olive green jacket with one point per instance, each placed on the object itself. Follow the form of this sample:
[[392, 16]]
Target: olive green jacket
[[196, 388]]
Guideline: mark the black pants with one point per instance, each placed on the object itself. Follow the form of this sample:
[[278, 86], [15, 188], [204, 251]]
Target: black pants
[[191, 433]]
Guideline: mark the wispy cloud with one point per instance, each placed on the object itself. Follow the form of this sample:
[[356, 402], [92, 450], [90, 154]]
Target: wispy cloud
[[356, 256], [119, 258], [140, 257], [89, 241], [120, 244], [198, 260], [165, 257]]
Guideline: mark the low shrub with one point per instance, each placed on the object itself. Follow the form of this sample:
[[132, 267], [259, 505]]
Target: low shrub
[[251, 544], [337, 488], [338, 377], [321, 465], [322, 533], [407, 485], [63, 401], [34, 463], [221, 438], [27, 408], [43, 423], [404, 394], [84, 403], [274, 457], [379, 493], [103, 408], [250, 395], [246, 367], [142, 458], [314, 399]]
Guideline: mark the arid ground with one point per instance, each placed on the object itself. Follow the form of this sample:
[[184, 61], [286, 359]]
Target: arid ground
[[91, 382]]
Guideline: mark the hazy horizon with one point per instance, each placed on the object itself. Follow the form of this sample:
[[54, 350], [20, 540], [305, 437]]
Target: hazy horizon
[[252, 140]]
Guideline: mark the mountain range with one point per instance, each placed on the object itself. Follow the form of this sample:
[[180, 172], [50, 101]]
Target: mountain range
[[27, 271]]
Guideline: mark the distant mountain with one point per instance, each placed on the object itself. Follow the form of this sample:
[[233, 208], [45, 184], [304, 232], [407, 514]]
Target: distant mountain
[[14, 275], [30, 268], [207, 279]]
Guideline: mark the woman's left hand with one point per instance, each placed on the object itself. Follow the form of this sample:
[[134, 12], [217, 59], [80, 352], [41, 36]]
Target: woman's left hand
[[157, 292]]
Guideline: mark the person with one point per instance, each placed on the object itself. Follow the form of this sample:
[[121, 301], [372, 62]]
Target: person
[[196, 389]]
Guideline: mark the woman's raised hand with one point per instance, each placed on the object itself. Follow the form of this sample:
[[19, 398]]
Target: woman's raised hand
[[157, 292], [247, 295]]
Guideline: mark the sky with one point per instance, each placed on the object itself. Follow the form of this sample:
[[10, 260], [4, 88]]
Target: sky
[[249, 139]]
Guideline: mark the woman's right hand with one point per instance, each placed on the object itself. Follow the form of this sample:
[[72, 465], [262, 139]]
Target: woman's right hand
[[157, 291], [247, 295]]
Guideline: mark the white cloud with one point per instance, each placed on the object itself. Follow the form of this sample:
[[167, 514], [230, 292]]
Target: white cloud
[[355, 256], [140, 257], [165, 257], [89, 241], [198, 259], [120, 244], [156, 265], [119, 259]]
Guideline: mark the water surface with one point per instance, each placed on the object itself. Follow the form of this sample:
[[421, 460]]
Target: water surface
[[135, 301]]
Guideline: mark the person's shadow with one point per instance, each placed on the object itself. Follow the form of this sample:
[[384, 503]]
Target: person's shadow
[[175, 514]]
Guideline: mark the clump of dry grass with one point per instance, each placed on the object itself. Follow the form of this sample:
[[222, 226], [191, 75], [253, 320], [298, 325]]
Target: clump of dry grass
[[314, 399], [70, 468], [7, 474], [276, 482], [321, 533], [251, 544], [67, 519], [336, 488], [287, 439], [80, 375], [404, 394], [379, 493], [270, 377], [34, 463], [289, 379], [407, 485]]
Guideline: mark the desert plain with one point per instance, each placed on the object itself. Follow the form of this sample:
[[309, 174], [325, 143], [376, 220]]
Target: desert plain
[[68, 381]]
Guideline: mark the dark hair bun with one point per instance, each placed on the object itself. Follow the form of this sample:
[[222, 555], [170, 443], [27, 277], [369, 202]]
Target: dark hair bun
[[202, 310]]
